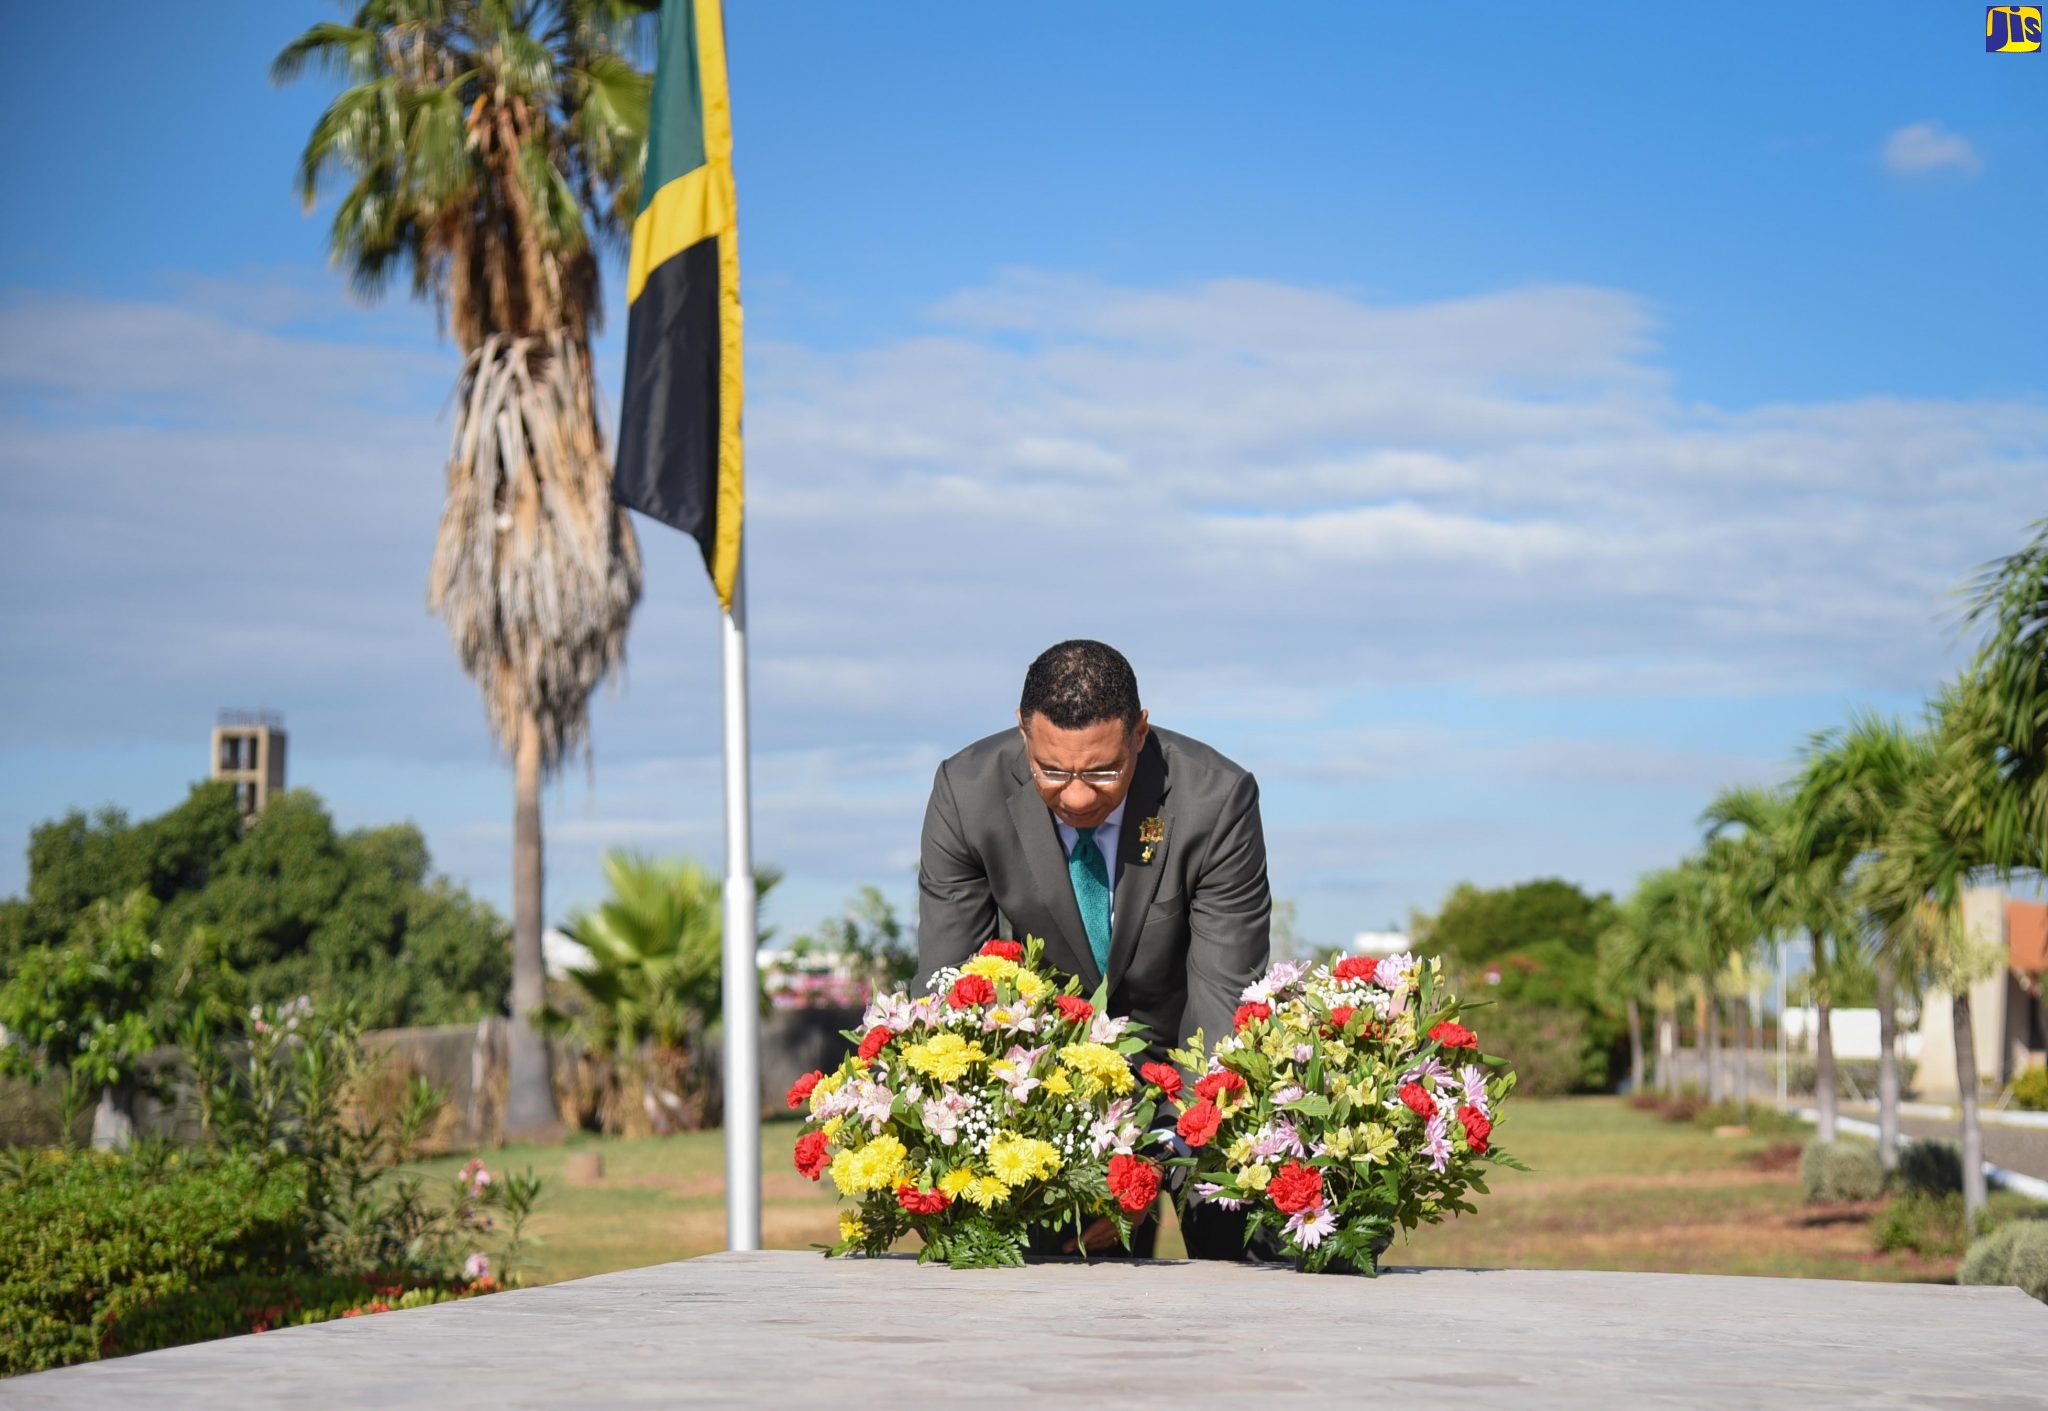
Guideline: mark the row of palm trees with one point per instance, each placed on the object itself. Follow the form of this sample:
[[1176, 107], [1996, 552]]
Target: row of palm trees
[[1866, 850]]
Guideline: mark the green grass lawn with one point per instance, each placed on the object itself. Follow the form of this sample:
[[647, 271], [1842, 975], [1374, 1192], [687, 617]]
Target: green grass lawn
[[1609, 1188]]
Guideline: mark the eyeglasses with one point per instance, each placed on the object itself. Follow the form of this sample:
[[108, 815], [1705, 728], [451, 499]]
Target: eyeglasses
[[1097, 779]]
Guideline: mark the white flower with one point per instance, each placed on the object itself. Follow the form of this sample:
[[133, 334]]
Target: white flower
[[943, 1114], [1107, 1029], [1474, 1079], [477, 1266], [1309, 1226]]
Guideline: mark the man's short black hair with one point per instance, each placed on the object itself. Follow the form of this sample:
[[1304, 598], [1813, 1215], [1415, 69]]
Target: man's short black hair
[[1080, 683]]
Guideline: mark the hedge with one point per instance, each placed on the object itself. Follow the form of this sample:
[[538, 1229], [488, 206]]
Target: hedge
[[82, 1237]]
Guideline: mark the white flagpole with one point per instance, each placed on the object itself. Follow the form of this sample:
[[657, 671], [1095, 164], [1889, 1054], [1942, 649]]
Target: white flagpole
[[741, 983]]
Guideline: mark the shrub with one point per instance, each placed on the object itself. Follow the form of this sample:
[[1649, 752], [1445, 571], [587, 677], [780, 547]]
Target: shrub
[[2014, 1253], [1851, 1075], [80, 1234], [2030, 1089], [1931, 1167], [255, 1303], [1546, 1046], [1763, 1120], [1831, 1172], [1924, 1222]]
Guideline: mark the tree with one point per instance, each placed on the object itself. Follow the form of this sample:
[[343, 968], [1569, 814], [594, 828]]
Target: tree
[[291, 904], [872, 938], [651, 992], [90, 1009], [487, 149], [1854, 785]]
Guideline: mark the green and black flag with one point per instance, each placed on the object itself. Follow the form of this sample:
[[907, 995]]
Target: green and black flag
[[679, 432]]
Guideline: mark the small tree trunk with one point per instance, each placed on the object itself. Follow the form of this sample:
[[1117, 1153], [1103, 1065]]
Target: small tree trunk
[[1823, 1045], [1887, 1061], [1712, 1048], [1667, 1051], [530, 1091], [1973, 1130], [1742, 1053], [1699, 1037], [113, 1121], [1635, 1046]]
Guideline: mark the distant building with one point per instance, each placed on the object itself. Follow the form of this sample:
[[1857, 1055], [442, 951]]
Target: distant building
[[248, 752], [2007, 1018], [1380, 944]]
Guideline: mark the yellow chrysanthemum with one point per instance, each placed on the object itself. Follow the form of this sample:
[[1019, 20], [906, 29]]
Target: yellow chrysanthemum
[[827, 1085], [1377, 1141], [956, 1180], [945, 1057], [1254, 1178], [831, 1127], [1016, 1159], [851, 1227], [986, 1191], [992, 968], [1059, 1082], [1030, 985], [1099, 1063], [875, 1167]]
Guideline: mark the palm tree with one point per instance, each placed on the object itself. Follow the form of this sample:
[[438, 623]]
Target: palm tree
[[486, 149], [1640, 959], [2010, 598], [651, 990], [1769, 885], [1855, 783]]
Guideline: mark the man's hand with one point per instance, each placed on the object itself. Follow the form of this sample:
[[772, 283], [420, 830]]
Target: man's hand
[[1101, 1233]]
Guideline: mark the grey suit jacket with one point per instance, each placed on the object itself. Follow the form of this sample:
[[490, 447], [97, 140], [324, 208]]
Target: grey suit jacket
[[1191, 926]]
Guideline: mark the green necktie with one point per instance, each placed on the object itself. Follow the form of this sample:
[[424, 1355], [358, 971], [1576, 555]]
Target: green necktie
[[1091, 889]]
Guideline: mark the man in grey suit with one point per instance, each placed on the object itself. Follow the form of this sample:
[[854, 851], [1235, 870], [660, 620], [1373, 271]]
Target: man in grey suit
[[1135, 854]]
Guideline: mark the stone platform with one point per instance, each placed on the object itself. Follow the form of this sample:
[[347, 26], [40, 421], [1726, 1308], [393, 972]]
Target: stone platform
[[790, 1330]]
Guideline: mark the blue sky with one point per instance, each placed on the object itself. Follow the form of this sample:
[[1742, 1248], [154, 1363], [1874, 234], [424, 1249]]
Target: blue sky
[[1498, 430]]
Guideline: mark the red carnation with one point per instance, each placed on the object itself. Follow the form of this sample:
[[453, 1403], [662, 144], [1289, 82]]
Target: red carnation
[[1478, 1127], [1199, 1123], [800, 1090], [1454, 1035], [1418, 1100], [811, 1159], [970, 990], [1163, 1076], [1004, 950], [1213, 1085], [1134, 1182], [1248, 1013], [875, 1040], [1296, 1188], [1356, 967], [917, 1202], [1340, 1016], [1075, 1009]]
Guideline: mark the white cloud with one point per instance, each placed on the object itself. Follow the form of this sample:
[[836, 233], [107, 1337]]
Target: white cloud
[[1289, 506], [1928, 149]]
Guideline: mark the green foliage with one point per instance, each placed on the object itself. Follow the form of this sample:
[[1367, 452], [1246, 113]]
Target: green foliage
[[82, 1237], [2015, 1253], [1534, 951], [1924, 1222], [1932, 1168], [2030, 1089], [1834, 1172], [90, 1008], [1547, 1047], [288, 906], [255, 1303], [1763, 1120], [1476, 924], [296, 1207]]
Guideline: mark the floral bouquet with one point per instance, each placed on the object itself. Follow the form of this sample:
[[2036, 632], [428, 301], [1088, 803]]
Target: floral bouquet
[[1348, 1101], [998, 1103]]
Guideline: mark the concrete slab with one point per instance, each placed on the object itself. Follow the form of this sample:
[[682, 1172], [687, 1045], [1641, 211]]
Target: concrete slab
[[795, 1330]]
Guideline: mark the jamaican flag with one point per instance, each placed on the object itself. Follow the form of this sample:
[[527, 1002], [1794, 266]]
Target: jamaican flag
[[679, 431]]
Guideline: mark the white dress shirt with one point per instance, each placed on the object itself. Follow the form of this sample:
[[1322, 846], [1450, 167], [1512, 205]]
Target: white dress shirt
[[1105, 838]]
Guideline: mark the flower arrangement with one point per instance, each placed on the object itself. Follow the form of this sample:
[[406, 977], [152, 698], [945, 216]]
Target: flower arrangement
[[997, 1103], [1348, 1101]]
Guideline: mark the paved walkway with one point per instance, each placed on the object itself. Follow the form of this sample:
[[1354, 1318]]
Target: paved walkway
[[2022, 1149], [794, 1330]]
